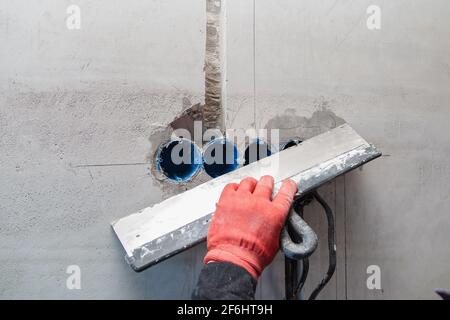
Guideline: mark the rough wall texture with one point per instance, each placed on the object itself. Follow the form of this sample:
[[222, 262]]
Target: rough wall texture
[[78, 108]]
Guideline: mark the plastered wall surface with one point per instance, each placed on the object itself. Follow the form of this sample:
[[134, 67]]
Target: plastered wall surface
[[79, 110]]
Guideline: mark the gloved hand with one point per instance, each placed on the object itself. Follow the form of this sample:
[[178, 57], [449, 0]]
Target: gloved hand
[[245, 229]]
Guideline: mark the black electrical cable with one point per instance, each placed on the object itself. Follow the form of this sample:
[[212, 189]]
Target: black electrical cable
[[331, 247], [301, 282], [298, 208]]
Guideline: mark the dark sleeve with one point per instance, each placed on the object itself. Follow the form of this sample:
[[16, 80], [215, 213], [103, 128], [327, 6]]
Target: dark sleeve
[[224, 281]]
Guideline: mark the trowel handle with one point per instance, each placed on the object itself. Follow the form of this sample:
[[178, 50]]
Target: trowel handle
[[306, 239]]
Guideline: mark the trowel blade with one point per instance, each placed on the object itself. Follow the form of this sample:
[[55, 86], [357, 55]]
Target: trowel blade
[[180, 222]]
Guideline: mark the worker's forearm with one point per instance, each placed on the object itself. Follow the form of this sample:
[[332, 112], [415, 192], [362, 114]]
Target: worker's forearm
[[224, 281]]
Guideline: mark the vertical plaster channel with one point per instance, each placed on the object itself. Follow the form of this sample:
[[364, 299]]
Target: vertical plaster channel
[[212, 112], [215, 65]]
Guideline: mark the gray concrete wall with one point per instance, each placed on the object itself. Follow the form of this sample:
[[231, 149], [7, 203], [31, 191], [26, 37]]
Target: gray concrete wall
[[77, 109]]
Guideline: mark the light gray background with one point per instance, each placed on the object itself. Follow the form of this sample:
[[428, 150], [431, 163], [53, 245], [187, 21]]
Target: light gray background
[[71, 98]]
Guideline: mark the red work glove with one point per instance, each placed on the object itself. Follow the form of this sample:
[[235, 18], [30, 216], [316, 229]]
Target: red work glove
[[245, 229]]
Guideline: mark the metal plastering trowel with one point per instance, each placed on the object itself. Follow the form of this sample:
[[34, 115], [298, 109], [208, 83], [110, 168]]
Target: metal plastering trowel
[[180, 222]]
